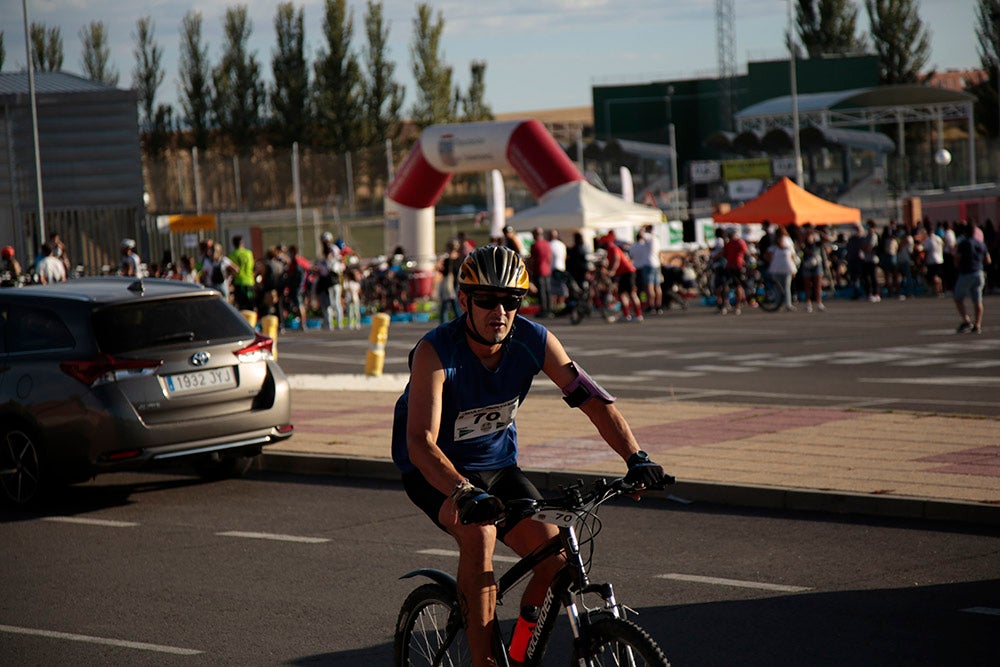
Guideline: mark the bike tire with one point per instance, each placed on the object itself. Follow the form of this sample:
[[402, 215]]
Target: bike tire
[[616, 641], [429, 630], [769, 301]]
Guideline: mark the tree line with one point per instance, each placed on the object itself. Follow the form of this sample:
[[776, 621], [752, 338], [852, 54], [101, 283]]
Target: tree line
[[342, 100], [347, 98]]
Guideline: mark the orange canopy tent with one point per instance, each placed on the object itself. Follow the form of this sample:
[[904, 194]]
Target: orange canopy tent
[[785, 203]]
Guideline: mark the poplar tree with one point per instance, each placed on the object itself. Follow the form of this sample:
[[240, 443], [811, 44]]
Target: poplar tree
[[434, 103], [239, 92], [195, 86], [147, 75], [474, 106], [901, 41], [289, 94], [987, 111], [97, 54], [828, 27], [383, 97], [46, 48], [337, 87]]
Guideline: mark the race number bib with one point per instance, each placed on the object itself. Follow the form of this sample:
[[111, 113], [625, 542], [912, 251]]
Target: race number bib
[[483, 421]]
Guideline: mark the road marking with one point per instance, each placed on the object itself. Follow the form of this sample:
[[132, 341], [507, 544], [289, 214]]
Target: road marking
[[273, 536], [454, 554], [945, 380], [90, 522], [708, 368], [670, 374], [988, 611], [718, 581], [142, 646]]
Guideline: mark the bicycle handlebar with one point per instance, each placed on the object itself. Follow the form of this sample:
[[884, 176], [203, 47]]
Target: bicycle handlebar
[[575, 500]]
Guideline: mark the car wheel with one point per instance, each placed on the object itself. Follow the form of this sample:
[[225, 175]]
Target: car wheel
[[21, 469], [222, 466]]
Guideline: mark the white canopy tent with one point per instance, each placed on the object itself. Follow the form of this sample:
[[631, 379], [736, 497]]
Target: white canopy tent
[[578, 205]]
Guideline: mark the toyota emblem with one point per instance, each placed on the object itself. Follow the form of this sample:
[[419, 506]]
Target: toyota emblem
[[200, 358]]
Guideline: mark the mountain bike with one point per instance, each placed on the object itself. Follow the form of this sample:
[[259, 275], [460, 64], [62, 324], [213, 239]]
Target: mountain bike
[[429, 628]]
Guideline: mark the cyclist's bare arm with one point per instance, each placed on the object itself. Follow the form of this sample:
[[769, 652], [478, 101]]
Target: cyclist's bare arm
[[424, 421], [605, 416]]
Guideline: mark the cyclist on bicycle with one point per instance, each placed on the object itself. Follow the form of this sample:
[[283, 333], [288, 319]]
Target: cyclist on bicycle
[[454, 437]]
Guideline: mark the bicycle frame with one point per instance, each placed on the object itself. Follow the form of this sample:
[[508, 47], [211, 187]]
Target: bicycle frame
[[567, 588]]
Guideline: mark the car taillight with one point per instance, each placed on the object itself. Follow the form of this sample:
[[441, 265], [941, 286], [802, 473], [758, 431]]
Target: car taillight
[[106, 368], [259, 350]]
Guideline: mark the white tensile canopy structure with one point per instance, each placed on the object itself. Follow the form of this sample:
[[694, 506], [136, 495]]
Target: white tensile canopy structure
[[578, 205]]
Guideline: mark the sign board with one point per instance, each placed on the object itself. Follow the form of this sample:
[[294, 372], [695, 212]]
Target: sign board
[[737, 170], [704, 171], [745, 189], [784, 166], [704, 231], [180, 224]]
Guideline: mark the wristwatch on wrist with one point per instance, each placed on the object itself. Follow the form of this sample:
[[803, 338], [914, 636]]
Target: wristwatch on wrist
[[637, 458]]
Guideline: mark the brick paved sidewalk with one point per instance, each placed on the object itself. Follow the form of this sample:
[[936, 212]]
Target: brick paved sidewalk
[[852, 460]]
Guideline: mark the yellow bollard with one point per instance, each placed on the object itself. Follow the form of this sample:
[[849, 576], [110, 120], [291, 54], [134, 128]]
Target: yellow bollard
[[251, 317], [375, 359], [269, 327]]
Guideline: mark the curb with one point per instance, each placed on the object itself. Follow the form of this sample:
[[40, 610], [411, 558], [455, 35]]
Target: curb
[[757, 497]]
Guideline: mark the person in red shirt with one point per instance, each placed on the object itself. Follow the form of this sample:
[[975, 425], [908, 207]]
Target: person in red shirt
[[621, 267], [540, 268], [736, 252]]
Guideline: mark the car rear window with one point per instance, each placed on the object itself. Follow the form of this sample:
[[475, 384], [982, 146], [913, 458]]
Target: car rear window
[[146, 324]]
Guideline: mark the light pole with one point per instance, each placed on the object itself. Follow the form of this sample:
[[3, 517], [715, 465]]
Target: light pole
[[795, 99]]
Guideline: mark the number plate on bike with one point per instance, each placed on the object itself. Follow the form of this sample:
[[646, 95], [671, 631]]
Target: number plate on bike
[[558, 518]]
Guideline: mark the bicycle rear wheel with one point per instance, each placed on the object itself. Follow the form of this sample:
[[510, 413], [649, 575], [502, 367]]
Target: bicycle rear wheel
[[616, 641], [770, 299], [429, 630]]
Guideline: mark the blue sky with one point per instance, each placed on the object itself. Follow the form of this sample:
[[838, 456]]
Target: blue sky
[[540, 54]]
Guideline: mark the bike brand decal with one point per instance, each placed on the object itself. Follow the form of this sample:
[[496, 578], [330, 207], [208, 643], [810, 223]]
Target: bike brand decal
[[485, 420], [543, 613]]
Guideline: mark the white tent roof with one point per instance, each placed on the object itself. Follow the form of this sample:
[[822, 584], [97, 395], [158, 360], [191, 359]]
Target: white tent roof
[[579, 205]]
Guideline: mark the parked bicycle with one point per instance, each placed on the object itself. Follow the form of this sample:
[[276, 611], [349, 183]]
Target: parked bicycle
[[429, 628]]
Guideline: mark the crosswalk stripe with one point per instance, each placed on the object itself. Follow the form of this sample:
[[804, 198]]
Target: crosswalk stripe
[[719, 581]]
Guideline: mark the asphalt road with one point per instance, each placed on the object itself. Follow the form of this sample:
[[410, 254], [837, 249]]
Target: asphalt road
[[891, 355], [159, 569]]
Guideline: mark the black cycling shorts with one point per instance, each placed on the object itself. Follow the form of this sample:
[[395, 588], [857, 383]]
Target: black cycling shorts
[[506, 484]]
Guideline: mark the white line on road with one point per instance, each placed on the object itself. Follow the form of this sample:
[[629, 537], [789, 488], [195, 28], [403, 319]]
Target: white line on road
[[988, 611], [947, 380], [142, 646], [718, 581], [90, 522], [454, 554], [273, 536]]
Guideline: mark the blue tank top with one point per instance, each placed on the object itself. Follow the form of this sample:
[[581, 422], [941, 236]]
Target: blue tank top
[[478, 405]]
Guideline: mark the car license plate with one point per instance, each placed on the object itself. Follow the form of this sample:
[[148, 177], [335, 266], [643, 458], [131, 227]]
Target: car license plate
[[206, 380]]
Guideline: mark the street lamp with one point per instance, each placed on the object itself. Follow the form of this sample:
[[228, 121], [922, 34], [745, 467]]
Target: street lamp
[[795, 99]]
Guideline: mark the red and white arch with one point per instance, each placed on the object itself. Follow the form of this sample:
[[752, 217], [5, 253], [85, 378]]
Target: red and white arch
[[444, 150]]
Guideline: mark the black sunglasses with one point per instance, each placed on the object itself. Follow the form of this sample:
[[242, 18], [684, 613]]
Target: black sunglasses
[[490, 301]]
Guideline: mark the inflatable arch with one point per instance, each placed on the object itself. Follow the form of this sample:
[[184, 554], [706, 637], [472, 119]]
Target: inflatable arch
[[445, 150]]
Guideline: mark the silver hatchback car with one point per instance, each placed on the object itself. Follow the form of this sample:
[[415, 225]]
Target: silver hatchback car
[[101, 374]]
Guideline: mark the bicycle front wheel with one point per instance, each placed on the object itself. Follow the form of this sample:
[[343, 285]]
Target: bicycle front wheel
[[616, 641], [770, 299], [429, 630]]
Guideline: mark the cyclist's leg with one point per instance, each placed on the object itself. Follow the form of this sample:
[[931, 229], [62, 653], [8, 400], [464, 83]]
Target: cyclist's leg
[[476, 583], [477, 588]]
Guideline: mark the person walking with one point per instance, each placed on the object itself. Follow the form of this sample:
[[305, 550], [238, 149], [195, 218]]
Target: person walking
[[814, 266], [933, 246], [540, 269], [131, 263], [645, 254], [454, 435], [781, 265], [869, 274], [448, 266], [243, 281], [10, 268], [50, 268], [559, 251], [971, 260]]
